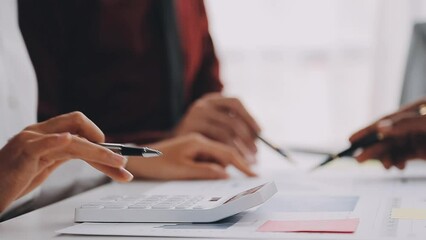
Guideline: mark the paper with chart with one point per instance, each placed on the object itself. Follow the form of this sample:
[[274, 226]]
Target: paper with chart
[[367, 193]]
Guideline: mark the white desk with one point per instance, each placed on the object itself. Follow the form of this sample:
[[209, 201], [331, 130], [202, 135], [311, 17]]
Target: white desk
[[42, 223]]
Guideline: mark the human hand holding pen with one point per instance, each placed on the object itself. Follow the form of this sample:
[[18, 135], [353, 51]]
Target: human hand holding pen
[[32, 155], [192, 156], [223, 119], [404, 137]]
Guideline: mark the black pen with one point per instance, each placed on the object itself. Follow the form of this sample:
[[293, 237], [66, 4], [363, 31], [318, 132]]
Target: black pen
[[277, 149], [127, 150], [362, 143], [366, 141]]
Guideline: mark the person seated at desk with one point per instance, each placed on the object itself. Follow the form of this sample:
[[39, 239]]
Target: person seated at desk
[[111, 60], [29, 156], [404, 136]]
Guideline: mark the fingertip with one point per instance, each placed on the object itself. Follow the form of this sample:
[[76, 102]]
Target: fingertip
[[127, 176], [361, 158], [386, 164], [257, 128], [252, 174], [100, 137], [400, 165], [219, 172], [247, 170], [224, 175], [241, 163]]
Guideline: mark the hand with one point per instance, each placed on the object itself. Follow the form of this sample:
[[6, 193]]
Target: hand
[[406, 111], [222, 119], [404, 135], [188, 157], [29, 157]]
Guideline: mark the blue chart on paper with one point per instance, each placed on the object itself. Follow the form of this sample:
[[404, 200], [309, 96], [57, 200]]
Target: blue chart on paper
[[282, 203]]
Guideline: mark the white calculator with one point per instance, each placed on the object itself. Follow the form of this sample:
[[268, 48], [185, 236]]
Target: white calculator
[[173, 208]]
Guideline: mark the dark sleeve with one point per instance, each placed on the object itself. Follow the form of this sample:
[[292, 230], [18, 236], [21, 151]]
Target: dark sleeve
[[41, 45], [207, 79], [48, 30], [142, 137]]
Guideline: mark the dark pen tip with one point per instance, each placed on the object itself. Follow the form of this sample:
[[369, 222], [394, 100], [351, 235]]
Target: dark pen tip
[[329, 159], [277, 149], [286, 156]]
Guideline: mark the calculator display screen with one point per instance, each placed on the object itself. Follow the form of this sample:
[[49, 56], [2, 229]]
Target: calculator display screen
[[245, 193]]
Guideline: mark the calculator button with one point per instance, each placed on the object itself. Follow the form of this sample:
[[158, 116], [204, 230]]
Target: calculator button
[[115, 207], [158, 196], [162, 206], [99, 203], [147, 202], [181, 207], [87, 206], [184, 206], [132, 198], [111, 198], [138, 207], [174, 202], [198, 207]]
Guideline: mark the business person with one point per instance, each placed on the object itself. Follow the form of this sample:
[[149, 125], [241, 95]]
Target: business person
[[27, 157], [404, 136], [143, 70], [30, 153]]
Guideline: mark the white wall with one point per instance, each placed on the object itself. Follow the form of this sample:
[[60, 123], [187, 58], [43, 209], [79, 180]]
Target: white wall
[[313, 71]]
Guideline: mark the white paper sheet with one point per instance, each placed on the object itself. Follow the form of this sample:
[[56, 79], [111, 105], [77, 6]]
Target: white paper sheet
[[376, 191]]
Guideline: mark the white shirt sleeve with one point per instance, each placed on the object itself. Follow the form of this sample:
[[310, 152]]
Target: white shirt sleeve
[[18, 89]]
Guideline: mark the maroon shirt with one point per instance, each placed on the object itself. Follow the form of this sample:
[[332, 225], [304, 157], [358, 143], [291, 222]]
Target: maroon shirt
[[107, 59]]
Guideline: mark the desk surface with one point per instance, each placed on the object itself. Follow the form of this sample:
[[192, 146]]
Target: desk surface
[[42, 223]]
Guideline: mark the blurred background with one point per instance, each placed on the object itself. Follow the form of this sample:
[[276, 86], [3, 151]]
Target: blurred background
[[315, 69]]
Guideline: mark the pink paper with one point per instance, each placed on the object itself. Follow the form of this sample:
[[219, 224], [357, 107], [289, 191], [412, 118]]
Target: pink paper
[[318, 226]]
